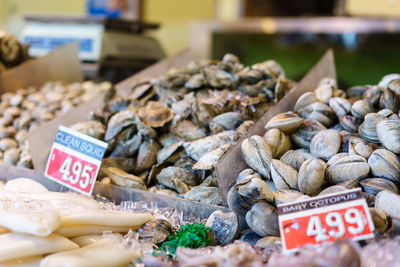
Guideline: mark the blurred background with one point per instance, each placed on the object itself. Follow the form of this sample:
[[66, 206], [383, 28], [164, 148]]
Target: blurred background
[[120, 37]]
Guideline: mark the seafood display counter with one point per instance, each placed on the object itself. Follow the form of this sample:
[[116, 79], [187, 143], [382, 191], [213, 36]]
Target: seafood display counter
[[199, 158]]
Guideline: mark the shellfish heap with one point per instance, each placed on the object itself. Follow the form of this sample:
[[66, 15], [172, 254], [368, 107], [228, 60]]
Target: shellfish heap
[[169, 133], [332, 141], [12, 52], [25, 109]]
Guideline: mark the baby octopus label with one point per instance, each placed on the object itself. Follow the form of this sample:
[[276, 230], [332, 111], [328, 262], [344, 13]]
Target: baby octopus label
[[325, 218], [75, 160]]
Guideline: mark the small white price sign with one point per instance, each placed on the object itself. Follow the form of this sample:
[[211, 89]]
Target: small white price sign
[[325, 218], [75, 160]]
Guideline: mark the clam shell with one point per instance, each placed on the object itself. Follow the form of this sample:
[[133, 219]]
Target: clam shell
[[384, 82], [311, 176], [305, 100], [269, 243], [303, 135], [254, 188], [375, 185], [286, 122], [325, 144], [350, 123], [373, 95], [242, 130], [332, 189], [278, 142], [246, 172], [293, 159], [224, 226], [340, 106], [389, 100], [328, 81], [367, 129], [318, 111], [389, 134], [336, 157], [263, 219], [384, 164], [287, 195], [358, 146], [257, 154], [93, 128], [379, 219], [305, 153], [386, 112], [357, 91], [348, 168], [389, 202], [350, 184], [238, 203], [361, 108], [283, 176], [324, 92], [339, 93]]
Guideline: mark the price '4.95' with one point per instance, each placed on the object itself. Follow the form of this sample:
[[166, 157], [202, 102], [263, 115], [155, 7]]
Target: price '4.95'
[[80, 173], [72, 171]]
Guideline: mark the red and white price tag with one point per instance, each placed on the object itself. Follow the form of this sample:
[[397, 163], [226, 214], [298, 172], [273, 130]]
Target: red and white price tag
[[325, 218], [75, 160]]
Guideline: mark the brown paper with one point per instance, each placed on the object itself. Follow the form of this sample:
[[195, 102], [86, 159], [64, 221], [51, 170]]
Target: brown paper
[[41, 140], [232, 162], [62, 64], [114, 193]]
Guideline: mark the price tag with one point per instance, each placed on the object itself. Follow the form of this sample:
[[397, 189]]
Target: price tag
[[75, 160], [325, 218]]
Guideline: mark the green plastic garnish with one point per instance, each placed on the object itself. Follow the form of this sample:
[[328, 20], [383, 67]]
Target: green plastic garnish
[[188, 236]]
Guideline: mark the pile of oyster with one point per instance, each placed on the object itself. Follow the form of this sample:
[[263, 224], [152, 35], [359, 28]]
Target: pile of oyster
[[332, 141], [169, 133], [26, 109]]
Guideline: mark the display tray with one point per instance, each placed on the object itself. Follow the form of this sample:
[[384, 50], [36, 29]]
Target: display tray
[[114, 193]]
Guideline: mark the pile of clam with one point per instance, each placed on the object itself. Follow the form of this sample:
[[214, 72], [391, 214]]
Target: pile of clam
[[169, 133], [26, 109], [332, 141]]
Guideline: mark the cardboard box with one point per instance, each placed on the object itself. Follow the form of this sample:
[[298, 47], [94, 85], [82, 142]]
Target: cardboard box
[[62, 64]]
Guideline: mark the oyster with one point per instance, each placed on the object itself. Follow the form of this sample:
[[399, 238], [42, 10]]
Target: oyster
[[92, 128], [209, 161], [196, 149], [206, 195]]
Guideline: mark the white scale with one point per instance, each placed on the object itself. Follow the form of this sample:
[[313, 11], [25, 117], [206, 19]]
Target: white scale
[[96, 42]]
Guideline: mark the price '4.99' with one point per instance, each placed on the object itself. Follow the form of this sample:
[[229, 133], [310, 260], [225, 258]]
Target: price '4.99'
[[328, 224]]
